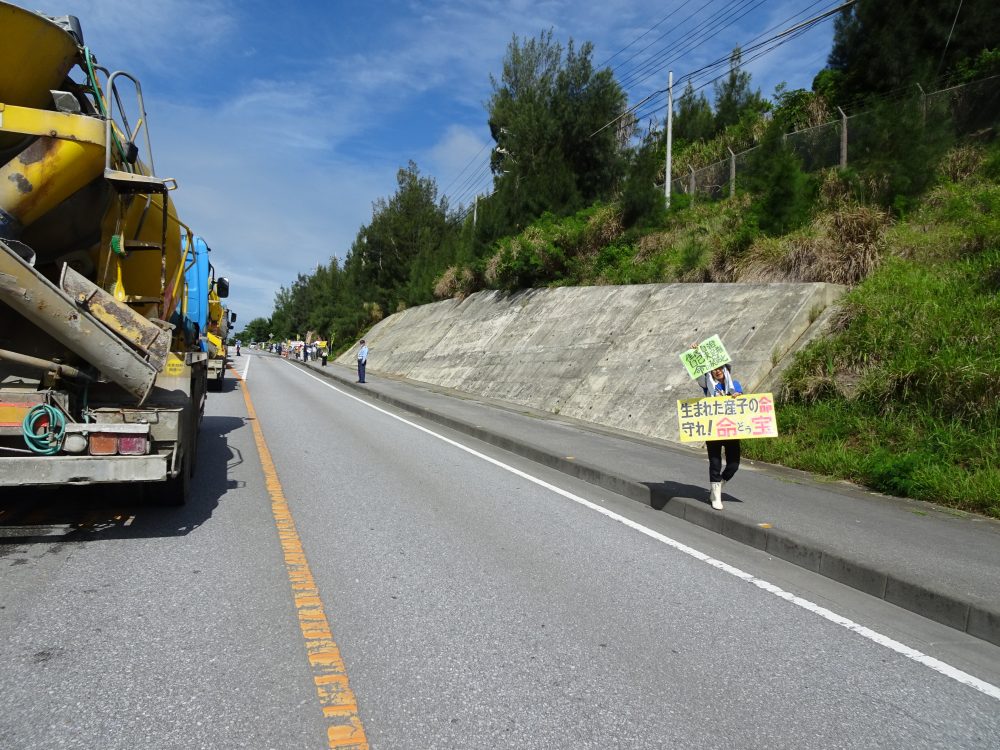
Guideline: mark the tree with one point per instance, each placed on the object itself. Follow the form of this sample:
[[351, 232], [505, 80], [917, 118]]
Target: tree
[[258, 329], [643, 202], [694, 120], [543, 114], [407, 242], [881, 46], [734, 98]]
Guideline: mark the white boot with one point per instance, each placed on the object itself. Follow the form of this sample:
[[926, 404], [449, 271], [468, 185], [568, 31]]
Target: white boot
[[716, 495]]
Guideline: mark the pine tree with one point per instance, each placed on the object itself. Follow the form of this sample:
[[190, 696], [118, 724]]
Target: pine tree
[[543, 115], [733, 96], [881, 46], [694, 120]]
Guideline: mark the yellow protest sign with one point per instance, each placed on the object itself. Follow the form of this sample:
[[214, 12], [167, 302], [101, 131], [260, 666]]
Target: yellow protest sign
[[741, 417]]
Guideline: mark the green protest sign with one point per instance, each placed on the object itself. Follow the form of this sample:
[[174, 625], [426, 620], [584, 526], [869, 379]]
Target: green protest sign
[[708, 355]]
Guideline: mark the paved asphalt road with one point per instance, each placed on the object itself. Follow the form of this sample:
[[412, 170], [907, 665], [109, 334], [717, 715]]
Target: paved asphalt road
[[473, 606]]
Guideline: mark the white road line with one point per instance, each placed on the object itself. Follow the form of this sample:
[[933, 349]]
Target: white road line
[[937, 665], [246, 368]]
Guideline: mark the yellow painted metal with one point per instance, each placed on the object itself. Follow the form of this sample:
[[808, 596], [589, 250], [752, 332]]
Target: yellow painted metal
[[11, 415], [215, 348], [175, 366], [150, 280], [143, 334], [61, 154], [47, 307], [35, 57], [45, 174], [14, 119]]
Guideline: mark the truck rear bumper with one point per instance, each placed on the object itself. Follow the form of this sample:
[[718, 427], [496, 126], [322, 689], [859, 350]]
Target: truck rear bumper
[[53, 470]]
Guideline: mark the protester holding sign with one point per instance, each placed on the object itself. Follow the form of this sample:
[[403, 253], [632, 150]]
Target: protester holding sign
[[720, 382]]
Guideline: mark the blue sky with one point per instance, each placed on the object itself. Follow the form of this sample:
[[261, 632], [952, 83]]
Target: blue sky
[[284, 122]]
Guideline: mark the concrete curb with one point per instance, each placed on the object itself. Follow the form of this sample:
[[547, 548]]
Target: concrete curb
[[943, 607]]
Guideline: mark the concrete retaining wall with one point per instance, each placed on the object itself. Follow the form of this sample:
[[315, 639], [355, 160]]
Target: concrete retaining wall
[[603, 354]]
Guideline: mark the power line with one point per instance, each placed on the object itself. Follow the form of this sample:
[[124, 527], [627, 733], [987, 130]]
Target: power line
[[473, 183], [445, 191], [752, 46], [662, 20], [676, 29], [784, 37], [635, 76], [702, 33], [722, 75]]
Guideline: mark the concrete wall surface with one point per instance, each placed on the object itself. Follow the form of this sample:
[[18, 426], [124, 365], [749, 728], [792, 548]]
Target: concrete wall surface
[[602, 354]]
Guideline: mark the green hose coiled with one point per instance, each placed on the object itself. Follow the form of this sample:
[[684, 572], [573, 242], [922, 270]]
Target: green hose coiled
[[49, 441]]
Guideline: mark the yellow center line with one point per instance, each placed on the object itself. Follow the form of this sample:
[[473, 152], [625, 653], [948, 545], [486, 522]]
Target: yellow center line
[[340, 707]]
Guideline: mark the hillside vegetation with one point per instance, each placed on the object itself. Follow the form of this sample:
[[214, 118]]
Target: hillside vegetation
[[903, 395]]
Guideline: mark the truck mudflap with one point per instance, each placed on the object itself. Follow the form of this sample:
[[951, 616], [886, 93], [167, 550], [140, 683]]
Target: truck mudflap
[[27, 471]]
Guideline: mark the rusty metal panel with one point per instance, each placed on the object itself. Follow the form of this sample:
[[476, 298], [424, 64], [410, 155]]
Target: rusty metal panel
[[142, 333], [35, 298]]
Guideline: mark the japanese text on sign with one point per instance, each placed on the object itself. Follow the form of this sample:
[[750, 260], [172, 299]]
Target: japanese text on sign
[[709, 354], [727, 418]]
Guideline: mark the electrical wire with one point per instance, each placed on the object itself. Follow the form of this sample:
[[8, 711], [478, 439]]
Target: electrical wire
[[676, 29], [782, 38], [647, 31], [704, 32], [469, 164]]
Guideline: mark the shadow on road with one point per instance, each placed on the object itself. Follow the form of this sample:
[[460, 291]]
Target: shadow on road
[[81, 514], [661, 493]]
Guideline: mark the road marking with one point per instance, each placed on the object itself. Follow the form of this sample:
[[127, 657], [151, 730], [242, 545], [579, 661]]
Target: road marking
[[246, 368], [340, 707], [930, 662]]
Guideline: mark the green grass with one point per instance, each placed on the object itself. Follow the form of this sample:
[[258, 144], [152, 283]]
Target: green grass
[[905, 397]]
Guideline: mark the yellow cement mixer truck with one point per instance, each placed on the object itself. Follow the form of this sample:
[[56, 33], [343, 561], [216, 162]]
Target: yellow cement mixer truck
[[101, 378]]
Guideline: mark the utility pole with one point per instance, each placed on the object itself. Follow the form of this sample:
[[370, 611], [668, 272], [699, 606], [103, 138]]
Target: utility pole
[[475, 210], [670, 135]]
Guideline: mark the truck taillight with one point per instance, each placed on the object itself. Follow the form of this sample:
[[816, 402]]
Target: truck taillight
[[103, 444], [133, 445]]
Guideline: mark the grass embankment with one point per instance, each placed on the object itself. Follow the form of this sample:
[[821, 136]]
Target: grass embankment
[[903, 396]]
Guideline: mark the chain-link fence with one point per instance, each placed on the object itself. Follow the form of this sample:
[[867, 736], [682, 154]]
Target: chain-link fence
[[967, 109]]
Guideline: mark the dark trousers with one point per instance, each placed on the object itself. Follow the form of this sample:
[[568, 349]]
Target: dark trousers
[[715, 472], [361, 371]]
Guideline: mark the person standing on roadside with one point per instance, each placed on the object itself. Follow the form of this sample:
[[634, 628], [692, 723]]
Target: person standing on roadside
[[362, 361], [720, 382]]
